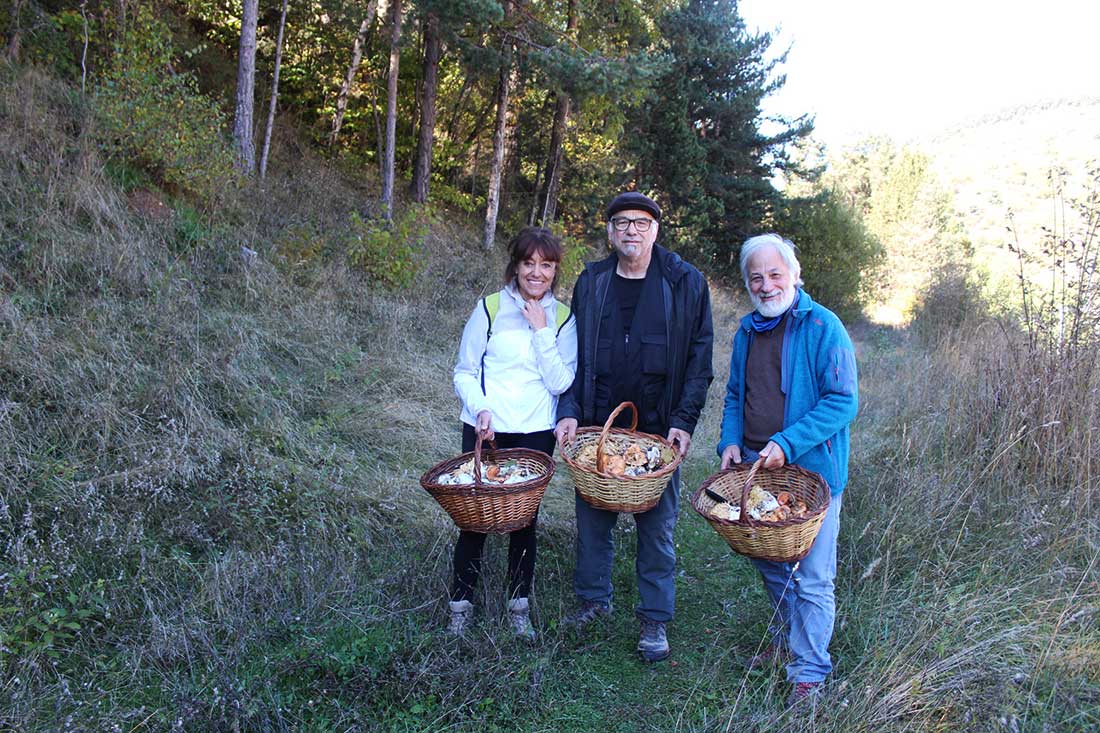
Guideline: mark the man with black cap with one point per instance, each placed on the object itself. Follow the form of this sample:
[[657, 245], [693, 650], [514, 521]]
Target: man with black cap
[[644, 335]]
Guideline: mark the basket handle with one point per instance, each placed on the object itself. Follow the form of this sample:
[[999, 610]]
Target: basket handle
[[756, 466], [477, 461], [601, 460]]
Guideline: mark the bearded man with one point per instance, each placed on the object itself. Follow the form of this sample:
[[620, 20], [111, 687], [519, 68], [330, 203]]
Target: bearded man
[[791, 395]]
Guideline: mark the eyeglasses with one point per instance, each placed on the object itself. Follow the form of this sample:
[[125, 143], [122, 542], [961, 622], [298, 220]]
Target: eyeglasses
[[622, 223]]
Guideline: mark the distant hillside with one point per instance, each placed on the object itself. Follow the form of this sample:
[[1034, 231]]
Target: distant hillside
[[1001, 163]]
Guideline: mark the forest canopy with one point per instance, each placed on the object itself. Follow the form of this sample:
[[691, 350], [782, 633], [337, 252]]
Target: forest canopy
[[521, 111]]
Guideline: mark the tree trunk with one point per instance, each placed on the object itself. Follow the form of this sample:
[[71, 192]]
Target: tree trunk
[[15, 32], [459, 106], [246, 90], [557, 136], [432, 51], [274, 93], [492, 195], [554, 159], [391, 108], [353, 68], [533, 216]]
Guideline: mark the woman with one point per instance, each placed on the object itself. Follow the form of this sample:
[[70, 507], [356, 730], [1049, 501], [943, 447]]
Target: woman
[[518, 353]]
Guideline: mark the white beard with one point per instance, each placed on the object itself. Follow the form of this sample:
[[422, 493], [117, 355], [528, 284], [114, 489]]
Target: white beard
[[774, 306]]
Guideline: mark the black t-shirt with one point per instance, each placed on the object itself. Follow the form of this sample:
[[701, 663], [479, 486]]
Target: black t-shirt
[[628, 291], [631, 353]]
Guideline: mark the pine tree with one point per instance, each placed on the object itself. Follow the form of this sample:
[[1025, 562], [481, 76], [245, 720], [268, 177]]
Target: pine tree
[[422, 168]]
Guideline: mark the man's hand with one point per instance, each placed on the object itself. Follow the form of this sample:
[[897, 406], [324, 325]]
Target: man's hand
[[566, 430], [773, 455], [680, 438], [730, 456], [484, 425]]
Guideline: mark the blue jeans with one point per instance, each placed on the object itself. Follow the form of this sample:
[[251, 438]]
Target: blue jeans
[[805, 602], [655, 561]]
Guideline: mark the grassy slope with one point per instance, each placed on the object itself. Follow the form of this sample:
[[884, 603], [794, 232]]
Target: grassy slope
[[212, 467], [998, 169]]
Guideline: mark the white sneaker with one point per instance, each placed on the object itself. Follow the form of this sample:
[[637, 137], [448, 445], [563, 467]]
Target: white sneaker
[[519, 614], [462, 613]]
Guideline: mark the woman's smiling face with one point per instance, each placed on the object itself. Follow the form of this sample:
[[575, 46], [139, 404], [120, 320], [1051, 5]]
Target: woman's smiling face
[[534, 275]]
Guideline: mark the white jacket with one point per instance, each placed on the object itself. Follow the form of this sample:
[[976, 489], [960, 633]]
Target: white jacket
[[525, 370]]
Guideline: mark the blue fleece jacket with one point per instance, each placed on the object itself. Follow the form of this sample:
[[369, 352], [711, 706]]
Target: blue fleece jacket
[[821, 388]]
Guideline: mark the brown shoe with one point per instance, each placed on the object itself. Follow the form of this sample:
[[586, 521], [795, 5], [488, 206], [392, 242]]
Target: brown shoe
[[586, 613], [803, 692], [773, 655]]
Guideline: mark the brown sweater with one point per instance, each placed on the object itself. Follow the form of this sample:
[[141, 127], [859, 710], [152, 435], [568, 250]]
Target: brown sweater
[[764, 399]]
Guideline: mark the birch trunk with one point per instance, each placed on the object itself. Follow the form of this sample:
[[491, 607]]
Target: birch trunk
[[391, 109], [274, 93], [246, 90], [353, 69], [492, 195]]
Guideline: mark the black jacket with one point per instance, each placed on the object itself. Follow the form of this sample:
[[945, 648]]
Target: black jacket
[[689, 339]]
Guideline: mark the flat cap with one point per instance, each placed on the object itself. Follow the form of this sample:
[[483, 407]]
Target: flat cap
[[633, 200]]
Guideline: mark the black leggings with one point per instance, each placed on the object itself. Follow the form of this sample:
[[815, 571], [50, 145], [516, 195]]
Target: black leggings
[[521, 543]]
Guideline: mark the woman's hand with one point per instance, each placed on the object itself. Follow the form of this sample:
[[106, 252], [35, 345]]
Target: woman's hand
[[535, 314], [484, 427]]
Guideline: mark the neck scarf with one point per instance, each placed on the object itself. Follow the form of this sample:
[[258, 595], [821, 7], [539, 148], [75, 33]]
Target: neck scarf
[[760, 324]]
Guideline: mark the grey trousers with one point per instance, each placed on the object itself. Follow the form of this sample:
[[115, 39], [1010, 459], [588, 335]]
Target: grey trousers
[[654, 563]]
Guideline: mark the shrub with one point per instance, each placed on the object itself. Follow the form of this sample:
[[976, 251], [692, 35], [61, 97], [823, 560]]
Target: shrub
[[951, 300], [158, 118], [839, 256], [388, 253]]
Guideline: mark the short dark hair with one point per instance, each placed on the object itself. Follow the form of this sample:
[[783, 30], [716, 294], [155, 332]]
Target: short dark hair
[[527, 243]]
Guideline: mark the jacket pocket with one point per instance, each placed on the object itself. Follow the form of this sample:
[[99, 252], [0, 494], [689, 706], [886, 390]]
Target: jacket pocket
[[834, 469], [603, 357], [654, 355]]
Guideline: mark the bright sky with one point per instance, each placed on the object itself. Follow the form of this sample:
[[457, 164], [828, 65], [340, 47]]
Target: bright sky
[[906, 69]]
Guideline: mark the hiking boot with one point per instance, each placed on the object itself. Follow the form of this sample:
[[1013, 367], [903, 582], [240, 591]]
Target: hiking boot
[[803, 692], [774, 654], [462, 613], [519, 615], [653, 643], [586, 613]]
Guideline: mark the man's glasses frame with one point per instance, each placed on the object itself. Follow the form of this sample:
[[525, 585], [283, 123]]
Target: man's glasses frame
[[641, 224]]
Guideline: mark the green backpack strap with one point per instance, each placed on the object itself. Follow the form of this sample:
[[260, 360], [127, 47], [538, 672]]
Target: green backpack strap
[[491, 304], [562, 317]]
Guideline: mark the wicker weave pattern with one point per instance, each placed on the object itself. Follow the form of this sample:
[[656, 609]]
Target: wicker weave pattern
[[487, 507], [613, 492], [785, 541]]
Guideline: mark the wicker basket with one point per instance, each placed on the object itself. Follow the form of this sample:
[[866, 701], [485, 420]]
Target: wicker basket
[[613, 492], [488, 507], [784, 541]]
